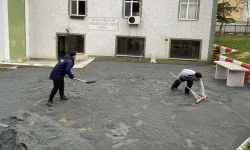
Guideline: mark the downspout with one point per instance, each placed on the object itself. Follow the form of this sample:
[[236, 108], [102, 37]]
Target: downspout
[[212, 31]]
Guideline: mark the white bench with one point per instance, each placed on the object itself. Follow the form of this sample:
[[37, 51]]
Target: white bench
[[233, 73]]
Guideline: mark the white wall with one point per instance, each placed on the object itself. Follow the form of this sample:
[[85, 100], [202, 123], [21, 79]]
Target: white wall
[[4, 31], [2, 54], [159, 22]]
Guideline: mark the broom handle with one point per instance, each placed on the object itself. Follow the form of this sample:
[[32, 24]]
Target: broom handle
[[81, 80], [78, 79], [141, 56]]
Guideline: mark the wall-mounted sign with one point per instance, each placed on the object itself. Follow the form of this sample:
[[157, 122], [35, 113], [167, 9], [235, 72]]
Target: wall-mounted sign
[[106, 24]]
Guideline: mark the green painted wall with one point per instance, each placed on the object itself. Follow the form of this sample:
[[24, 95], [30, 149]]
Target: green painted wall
[[16, 16]]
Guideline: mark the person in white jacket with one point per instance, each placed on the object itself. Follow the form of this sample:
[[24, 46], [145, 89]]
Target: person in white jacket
[[190, 76]]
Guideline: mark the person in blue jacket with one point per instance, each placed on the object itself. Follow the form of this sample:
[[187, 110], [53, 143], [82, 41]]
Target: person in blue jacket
[[58, 73]]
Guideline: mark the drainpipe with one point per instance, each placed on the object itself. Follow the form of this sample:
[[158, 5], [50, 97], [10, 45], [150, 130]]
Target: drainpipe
[[212, 31]]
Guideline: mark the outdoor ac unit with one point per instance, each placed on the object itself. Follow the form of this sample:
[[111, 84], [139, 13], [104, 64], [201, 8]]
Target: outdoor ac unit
[[134, 20]]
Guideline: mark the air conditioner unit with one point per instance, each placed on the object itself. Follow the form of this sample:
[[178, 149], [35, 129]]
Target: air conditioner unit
[[134, 20]]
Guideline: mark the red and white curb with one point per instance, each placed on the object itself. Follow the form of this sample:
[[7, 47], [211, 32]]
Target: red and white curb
[[245, 65], [244, 144], [224, 50]]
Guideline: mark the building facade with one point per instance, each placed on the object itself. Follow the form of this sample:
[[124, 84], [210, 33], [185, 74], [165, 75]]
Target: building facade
[[166, 29], [244, 9], [48, 29]]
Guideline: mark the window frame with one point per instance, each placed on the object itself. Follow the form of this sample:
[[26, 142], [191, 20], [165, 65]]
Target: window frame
[[185, 39], [131, 7], [77, 8], [132, 37], [188, 4]]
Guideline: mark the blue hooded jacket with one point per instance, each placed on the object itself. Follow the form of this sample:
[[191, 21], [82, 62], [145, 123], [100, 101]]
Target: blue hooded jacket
[[62, 68]]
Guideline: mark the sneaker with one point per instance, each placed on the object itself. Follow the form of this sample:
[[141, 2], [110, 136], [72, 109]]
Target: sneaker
[[50, 104], [64, 98]]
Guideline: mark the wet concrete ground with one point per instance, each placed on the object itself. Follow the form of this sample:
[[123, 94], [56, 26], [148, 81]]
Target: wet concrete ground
[[130, 107]]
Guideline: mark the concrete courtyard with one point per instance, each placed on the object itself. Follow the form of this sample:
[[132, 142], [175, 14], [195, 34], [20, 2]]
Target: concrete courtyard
[[130, 107]]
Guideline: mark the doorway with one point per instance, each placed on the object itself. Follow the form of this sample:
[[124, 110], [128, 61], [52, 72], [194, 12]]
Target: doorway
[[69, 43]]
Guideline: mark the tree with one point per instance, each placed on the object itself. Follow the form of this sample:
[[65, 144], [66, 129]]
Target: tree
[[225, 10]]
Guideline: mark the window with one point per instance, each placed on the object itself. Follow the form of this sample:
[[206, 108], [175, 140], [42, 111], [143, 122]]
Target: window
[[130, 46], [185, 49], [75, 43], [131, 8], [188, 9], [77, 7], [68, 43]]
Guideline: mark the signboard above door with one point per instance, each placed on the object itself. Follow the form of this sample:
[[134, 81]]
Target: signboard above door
[[103, 24]]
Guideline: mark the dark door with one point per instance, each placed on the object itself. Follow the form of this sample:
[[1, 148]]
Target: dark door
[[61, 46]]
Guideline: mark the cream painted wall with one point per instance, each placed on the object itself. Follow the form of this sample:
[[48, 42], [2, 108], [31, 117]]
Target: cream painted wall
[[159, 22]]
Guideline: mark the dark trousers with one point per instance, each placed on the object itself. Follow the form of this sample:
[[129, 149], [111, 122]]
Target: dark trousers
[[58, 85], [177, 83]]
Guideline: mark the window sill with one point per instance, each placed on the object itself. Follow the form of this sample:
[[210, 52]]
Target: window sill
[[77, 17], [188, 19], [184, 59], [126, 17], [135, 56]]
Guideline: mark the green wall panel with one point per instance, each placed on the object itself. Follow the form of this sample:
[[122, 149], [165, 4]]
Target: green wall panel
[[16, 16]]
